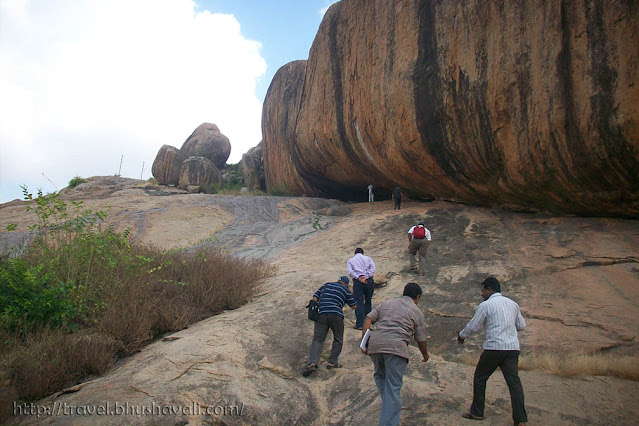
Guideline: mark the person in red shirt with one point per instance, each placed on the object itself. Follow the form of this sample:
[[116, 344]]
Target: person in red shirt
[[418, 242]]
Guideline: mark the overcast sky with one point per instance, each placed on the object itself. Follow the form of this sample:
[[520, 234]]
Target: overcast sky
[[85, 82]]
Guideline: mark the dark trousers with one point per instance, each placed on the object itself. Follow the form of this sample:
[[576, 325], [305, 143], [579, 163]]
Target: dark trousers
[[363, 295], [325, 322], [398, 203], [508, 362]]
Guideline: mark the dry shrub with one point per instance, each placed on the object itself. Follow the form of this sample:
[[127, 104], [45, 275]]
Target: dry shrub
[[176, 290], [594, 364], [8, 395], [163, 292], [128, 318], [574, 364], [48, 359]]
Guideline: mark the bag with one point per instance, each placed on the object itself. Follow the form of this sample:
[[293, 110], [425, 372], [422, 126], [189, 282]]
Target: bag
[[313, 310], [419, 232]]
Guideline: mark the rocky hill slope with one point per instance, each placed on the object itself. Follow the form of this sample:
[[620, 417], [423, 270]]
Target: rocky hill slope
[[576, 280], [512, 103]]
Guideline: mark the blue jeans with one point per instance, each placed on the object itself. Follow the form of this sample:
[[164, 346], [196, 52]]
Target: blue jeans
[[389, 377], [363, 295]]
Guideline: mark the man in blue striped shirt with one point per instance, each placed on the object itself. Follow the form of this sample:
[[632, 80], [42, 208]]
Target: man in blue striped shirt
[[501, 319], [332, 297]]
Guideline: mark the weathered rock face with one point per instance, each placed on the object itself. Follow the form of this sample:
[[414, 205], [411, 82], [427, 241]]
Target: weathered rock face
[[201, 172], [279, 120], [515, 103], [207, 141], [167, 165], [253, 168]]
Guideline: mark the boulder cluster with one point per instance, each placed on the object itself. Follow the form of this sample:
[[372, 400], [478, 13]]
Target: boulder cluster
[[196, 166]]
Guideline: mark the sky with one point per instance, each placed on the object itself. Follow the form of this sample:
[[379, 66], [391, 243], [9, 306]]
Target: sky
[[96, 87]]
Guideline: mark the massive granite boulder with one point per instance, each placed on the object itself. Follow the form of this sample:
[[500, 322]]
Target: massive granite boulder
[[200, 172], [279, 120], [167, 165], [528, 104], [207, 141]]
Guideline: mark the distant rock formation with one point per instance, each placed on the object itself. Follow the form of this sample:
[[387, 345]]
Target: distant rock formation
[[253, 168], [167, 165], [197, 165], [200, 172], [525, 104], [207, 141]]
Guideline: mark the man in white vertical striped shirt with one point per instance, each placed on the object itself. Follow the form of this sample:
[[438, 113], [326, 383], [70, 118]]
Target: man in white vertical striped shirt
[[501, 319]]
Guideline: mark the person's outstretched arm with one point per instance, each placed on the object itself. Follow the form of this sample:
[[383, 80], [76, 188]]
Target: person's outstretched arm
[[423, 348]]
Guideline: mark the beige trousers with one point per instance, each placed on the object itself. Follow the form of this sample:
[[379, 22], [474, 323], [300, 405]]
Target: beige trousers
[[418, 246]]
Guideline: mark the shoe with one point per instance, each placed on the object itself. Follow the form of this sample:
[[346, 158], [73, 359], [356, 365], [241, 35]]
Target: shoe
[[358, 328], [310, 369], [414, 267], [422, 275], [471, 416], [331, 366]]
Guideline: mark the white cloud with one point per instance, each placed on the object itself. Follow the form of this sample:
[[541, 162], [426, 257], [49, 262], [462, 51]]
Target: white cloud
[[84, 83]]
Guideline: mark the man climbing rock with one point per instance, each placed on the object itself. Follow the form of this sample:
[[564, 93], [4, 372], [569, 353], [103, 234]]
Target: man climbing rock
[[361, 269], [418, 242], [332, 297]]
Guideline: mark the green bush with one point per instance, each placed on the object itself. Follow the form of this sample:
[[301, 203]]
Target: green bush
[[31, 298], [76, 181], [235, 178]]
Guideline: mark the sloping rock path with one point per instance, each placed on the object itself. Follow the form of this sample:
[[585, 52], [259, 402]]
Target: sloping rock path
[[576, 280]]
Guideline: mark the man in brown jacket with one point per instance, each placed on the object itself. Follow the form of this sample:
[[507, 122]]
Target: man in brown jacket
[[397, 321]]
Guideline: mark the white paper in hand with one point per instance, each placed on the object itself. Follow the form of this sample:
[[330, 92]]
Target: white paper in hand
[[364, 342]]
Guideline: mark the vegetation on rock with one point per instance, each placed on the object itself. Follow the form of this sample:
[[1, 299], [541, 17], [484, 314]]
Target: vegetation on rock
[[81, 295], [77, 180]]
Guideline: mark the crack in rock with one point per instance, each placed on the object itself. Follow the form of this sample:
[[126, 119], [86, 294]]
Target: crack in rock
[[607, 262], [445, 315]]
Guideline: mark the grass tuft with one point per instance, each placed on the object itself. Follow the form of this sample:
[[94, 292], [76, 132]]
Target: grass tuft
[[576, 364], [572, 364]]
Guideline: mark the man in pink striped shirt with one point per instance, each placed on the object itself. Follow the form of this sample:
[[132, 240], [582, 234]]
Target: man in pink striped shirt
[[501, 319]]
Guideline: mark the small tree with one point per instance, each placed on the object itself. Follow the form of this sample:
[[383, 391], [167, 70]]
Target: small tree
[[76, 181]]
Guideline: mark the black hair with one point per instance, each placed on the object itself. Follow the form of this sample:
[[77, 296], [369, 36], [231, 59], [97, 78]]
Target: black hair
[[412, 290], [359, 250], [492, 283]]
